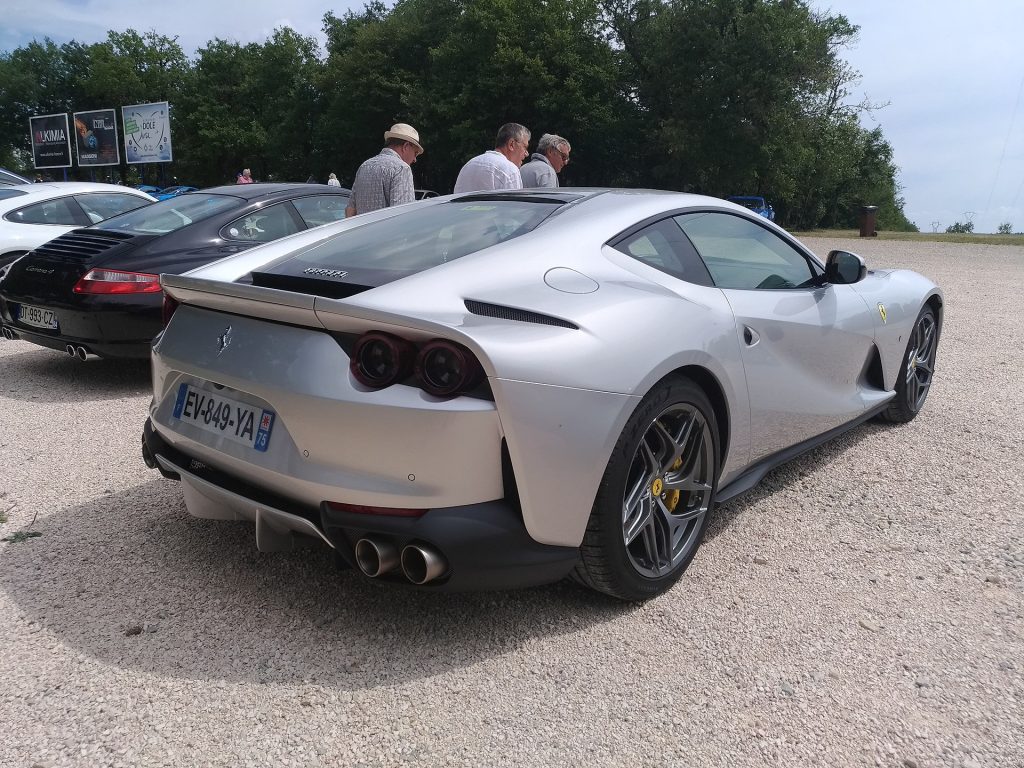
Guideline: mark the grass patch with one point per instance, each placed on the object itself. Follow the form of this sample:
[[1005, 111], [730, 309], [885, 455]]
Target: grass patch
[[20, 536], [934, 237]]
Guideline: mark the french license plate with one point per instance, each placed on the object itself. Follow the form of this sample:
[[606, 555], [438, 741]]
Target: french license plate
[[37, 316], [224, 416]]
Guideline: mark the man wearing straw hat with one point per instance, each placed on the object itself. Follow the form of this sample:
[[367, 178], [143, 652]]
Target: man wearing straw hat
[[386, 178]]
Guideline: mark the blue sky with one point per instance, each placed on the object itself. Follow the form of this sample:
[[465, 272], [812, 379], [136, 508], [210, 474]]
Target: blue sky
[[950, 73]]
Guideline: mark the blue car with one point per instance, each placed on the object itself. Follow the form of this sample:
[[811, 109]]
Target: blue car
[[149, 189], [168, 192], [755, 203]]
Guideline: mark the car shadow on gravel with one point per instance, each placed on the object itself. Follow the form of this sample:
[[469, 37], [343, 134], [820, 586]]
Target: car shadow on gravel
[[132, 580], [45, 375], [789, 473]]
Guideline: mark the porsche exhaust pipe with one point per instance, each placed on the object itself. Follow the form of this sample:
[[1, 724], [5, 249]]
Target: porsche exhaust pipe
[[81, 352], [376, 557], [422, 564], [70, 349], [8, 334]]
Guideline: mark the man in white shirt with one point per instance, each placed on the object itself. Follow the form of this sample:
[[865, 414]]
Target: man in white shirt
[[497, 168]]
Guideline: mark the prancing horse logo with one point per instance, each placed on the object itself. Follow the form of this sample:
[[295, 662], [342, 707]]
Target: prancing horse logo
[[223, 340]]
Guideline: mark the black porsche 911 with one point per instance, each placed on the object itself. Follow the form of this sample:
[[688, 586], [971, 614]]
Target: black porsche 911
[[96, 290]]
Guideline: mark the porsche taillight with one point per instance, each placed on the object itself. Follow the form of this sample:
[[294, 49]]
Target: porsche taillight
[[117, 282]]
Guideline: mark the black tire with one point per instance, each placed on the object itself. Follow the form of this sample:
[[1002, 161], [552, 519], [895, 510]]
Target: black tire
[[917, 370], [671, 439]]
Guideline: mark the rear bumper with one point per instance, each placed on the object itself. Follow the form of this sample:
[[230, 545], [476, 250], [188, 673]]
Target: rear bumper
[[485, 545], [59, 342], [109, 328]]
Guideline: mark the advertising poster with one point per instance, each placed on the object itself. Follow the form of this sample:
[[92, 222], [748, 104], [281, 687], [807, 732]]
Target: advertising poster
[[96, 138], [147, 133], [51, 142]]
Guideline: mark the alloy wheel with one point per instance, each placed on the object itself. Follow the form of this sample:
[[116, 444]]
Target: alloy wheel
[[668, 491]]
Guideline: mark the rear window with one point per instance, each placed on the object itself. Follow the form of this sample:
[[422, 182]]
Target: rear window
[[424, 238], [60, 211], [103, 205], [169, 215], [8, 193]]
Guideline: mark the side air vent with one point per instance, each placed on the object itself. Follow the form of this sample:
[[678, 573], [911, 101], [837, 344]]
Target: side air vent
[[520, 315], [82, 244]]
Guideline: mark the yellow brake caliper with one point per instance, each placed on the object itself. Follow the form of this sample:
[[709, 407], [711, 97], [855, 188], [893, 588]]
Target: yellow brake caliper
[[671, 498]]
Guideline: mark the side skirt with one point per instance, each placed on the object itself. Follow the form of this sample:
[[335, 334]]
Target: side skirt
[[756, 472]]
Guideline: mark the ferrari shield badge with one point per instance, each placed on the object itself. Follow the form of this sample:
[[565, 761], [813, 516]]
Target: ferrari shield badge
[[881, 310]]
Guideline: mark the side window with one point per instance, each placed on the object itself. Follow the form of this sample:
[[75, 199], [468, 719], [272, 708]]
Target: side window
[[103, 205], [263, 225], [663, 246], [742, 254], [321, 209], [61, 211]]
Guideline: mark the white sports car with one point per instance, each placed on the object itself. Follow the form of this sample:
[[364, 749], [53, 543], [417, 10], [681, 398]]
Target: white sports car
[[33, 214], [502, 389]]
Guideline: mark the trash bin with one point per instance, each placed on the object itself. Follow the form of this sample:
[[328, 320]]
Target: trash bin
[[868, 217]]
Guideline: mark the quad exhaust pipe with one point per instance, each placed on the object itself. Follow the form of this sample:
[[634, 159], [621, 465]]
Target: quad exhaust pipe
[[80, 352], [376, 557], [420, 563]]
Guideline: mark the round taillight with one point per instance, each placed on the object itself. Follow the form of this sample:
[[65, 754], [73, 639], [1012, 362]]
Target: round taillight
[[379, 359], [444, 368]]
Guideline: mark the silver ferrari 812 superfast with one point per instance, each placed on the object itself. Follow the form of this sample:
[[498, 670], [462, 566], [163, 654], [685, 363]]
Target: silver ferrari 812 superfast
[[496, 390]]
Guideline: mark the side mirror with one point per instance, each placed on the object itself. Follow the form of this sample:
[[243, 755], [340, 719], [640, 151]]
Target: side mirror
[[843, 268]]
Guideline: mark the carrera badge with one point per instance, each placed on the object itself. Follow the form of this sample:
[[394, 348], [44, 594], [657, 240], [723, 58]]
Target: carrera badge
[[224, 340]]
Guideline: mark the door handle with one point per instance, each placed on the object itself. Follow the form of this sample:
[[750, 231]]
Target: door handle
[[750, 336]]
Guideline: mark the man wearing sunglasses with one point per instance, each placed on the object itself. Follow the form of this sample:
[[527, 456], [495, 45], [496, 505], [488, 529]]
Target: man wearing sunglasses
[[497, 168], [547, 162], [386, 179]]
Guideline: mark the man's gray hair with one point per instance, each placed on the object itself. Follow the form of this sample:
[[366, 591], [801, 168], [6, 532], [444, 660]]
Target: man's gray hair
[[552, 141], [510, 131]]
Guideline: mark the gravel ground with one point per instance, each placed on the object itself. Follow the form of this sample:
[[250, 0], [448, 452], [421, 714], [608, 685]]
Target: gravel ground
[[862, 606]]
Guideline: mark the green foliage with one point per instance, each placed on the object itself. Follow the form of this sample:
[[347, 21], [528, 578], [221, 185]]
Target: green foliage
[[715, 96], [1006, 228], [961, 229]]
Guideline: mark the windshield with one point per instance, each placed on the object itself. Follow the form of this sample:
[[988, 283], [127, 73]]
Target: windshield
[[426, 237], [178, 212]]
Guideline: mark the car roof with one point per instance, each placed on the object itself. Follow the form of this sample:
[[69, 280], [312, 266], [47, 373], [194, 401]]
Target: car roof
[[48, 190], [11, 178], [264, 189]]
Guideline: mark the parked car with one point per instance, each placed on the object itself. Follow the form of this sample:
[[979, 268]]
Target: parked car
[[755, 203], [97, 290], [9, 178], [500, 389], [149, 189], [168, 192], [425, 194], [32, 214]]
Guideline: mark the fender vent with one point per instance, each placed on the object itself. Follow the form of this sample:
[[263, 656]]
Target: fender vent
[[520, 315]]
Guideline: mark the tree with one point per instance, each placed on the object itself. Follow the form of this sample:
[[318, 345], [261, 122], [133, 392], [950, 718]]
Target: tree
[[1006, 228], [458, 69]]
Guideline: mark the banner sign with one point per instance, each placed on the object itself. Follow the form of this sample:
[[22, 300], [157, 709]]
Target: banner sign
[[96, 137], [51, 142], [147, 133]]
